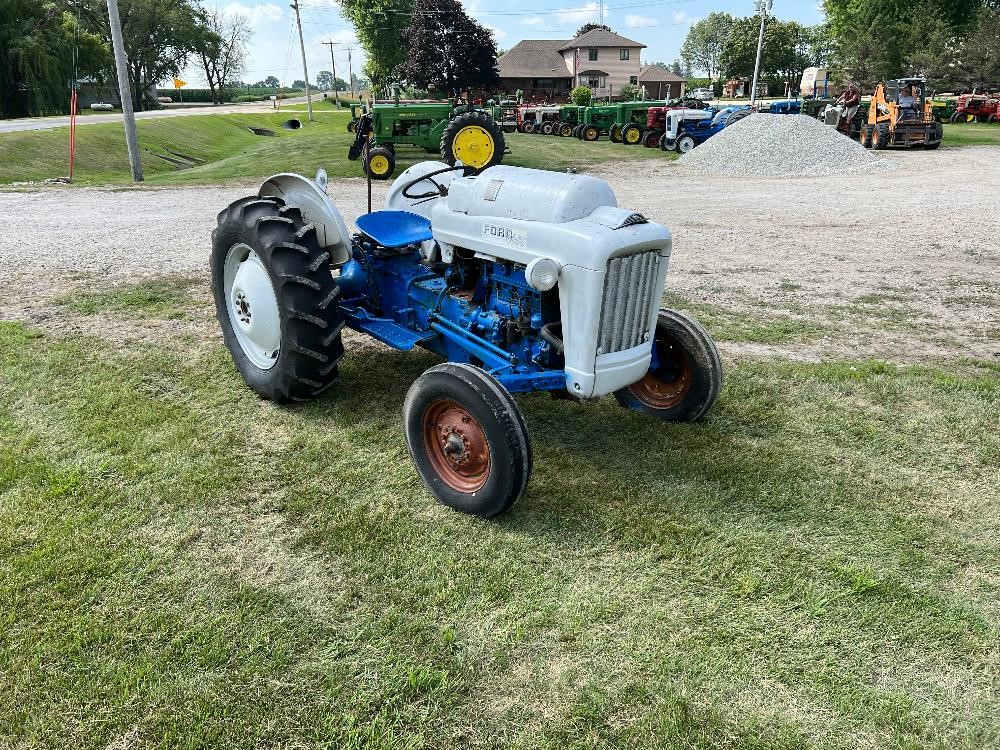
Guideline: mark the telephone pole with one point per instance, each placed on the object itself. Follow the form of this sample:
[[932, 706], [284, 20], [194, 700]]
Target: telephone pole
[[350, 71], [333, 64], [124, 91], [305, 70], [763, 6]]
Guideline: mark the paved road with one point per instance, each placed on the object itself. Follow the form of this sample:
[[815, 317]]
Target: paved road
[[48, 123]]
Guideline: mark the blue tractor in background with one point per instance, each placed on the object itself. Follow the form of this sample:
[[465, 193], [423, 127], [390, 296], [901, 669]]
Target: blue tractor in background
[[687, 128]]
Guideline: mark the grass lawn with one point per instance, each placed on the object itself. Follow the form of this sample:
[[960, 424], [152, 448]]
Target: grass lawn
[[183, 565], [971, 134], [231, 151]]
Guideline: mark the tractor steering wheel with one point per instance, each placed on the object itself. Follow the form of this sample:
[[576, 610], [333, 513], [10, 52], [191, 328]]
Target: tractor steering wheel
[[440, 190]]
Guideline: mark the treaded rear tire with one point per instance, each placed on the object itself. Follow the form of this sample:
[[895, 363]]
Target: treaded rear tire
[[475, 119], [493, 417], [306, 292]]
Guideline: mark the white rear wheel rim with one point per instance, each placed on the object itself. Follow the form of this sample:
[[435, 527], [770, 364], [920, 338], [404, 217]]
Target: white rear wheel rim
[[252, 306]]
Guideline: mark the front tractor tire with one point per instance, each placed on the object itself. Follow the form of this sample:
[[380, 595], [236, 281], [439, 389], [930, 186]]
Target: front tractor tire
[[275, 299], [467, 439], [381, 163], [474, 139], [685, 377]]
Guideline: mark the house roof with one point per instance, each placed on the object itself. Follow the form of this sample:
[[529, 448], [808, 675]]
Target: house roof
[[658, 73], [534, 58], [600, 38]]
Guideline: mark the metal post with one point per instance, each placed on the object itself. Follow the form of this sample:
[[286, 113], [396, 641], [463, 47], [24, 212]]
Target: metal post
[[125, 91], [305, 69], [333, 64], [350, 72], [763, 6]]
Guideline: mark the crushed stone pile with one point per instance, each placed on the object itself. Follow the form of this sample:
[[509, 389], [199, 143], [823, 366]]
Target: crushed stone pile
[[764, 145]]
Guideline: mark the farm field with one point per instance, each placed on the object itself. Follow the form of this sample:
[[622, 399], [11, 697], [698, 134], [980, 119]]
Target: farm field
[[816, 565]]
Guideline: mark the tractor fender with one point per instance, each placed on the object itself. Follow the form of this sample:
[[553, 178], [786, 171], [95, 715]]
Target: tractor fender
[[309, 196]]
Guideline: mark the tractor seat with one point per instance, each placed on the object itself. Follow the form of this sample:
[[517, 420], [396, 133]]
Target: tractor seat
[[395, 228]]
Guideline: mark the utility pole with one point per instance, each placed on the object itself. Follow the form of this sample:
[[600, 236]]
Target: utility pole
[[124, 91], [333, 64], [762, 7], [305, 70], [350, 71]]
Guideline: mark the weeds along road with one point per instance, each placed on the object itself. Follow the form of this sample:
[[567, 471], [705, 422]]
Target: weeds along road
[[902, 265]]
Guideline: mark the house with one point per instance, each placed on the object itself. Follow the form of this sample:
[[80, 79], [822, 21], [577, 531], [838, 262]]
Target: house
[[661, 83], [549, 69]]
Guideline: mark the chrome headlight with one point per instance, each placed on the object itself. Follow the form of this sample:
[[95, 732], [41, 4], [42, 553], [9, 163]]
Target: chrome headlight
[[542, 274]]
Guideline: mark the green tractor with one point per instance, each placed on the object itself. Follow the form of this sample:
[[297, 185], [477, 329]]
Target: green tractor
[[570, 117], [630, 122], [597, 121], [456, 131]]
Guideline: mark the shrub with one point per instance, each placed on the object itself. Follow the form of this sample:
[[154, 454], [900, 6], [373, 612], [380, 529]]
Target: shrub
[[581, 96]]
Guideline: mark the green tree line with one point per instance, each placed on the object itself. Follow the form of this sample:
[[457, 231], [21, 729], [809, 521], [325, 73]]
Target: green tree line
[[954, 43], [44, 46]]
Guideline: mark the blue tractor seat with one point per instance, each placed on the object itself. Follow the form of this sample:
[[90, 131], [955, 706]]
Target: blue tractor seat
[[395, 228]]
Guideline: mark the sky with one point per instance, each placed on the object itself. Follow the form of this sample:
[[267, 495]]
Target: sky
[[659, 24]]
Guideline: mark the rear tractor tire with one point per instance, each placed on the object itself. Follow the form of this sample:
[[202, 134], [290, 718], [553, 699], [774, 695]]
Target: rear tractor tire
[[467, 439], [685, 376], [631, 135], [276, 299], [473, 138]]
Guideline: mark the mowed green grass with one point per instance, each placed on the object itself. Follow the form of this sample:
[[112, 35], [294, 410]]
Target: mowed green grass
[[231, 152], [971, 134], [816, 565]]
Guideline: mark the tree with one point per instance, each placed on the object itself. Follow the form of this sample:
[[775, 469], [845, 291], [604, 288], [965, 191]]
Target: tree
[[590, 27], [702, 49], [380, 25], [978, 63], [324, 80], [448, 50], [159, 35], [36, 47], [221, 47], [581, 96]]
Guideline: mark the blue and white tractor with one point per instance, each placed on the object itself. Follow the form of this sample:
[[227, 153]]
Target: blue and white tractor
[[522, 280]]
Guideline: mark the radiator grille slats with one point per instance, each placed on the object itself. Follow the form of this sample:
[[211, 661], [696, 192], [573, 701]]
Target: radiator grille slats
[[629, 288]]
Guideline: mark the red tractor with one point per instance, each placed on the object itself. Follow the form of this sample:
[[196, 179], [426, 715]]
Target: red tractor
[[977, 108]]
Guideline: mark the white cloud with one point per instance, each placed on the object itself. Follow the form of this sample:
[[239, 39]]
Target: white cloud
[[588, 12], [639, 22], [259, 14]]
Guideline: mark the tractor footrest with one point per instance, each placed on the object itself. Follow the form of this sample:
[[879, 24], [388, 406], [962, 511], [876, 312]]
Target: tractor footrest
[[389, 332]]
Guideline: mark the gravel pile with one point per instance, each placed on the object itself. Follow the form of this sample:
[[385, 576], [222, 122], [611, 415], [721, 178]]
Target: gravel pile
[[780, 145]]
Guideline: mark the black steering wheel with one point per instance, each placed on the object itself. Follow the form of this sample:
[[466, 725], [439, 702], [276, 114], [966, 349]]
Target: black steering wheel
[[440, 190]]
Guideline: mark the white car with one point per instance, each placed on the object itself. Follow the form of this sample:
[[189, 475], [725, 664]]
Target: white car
[[703, 95]]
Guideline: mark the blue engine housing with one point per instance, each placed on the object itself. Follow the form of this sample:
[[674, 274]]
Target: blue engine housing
[[476, 311]]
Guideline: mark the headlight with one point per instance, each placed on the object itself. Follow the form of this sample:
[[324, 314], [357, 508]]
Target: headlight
[[542, 274]]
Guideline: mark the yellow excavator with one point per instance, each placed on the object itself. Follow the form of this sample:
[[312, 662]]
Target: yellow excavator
[[901, 115]]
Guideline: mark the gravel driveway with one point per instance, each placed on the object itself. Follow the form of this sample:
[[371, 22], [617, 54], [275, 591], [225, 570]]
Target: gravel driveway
[[917, 246]]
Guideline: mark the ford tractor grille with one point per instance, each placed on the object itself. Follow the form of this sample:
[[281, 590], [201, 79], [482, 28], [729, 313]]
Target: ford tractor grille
[[629, 288]]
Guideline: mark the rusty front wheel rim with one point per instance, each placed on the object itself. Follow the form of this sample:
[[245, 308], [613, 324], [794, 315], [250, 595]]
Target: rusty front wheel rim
[[456, 445], [656, 392]]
